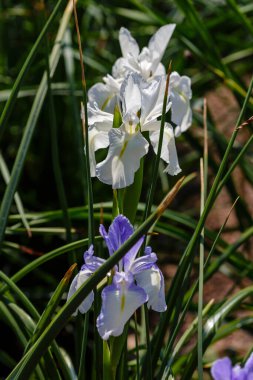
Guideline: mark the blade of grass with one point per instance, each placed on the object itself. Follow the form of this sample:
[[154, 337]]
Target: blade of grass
[[6, 176], [31, 123], [13, 96]]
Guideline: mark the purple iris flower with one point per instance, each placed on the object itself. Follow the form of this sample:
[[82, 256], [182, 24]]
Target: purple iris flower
[[134, 280], [222, 369]]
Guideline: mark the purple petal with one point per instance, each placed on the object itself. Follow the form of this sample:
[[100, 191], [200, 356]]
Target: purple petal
[[119, 231], [239, 373], [119, 302], [129, 257], [249, 365], [92, 263], [144, 262], [222, 369], [152, 281]]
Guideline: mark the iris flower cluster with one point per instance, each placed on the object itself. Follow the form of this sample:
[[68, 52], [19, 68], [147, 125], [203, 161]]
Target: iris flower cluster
[[222, 369], [131, 283], [136, 87]]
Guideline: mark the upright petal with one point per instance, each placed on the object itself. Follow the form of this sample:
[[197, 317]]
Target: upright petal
[[119, 231], [123, 159], [119, 302], [169, 151], [130, 94], [222, 369], [130, 256], [128, 44], [142, 263], [152, 281], [159, 42]]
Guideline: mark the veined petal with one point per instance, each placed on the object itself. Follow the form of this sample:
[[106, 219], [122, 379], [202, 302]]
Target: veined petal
[[144, 262], [128, 44], [169, 151], [119, 231], [152, 102], [130, 94], [152, 281], [78, 280], [222, 369], [119, 302], [100, 119], [104, 95], [159, 42], [180, 95], [130, 256], [123, 159]]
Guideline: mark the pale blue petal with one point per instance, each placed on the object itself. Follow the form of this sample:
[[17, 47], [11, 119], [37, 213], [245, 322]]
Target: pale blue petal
[[152, 281], [222, 369], [78, 280], [119, 302], [142, 263], [92, 263]]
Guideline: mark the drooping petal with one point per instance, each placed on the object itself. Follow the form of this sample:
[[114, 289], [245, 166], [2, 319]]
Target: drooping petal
[[169, 151], [152, 281], [180, 95], [78, 280], [128, 44], [159, 42], [100, 119], [119, 302], [123, 159], [142, 263], [97, 140], [104, 95], [222, 369]]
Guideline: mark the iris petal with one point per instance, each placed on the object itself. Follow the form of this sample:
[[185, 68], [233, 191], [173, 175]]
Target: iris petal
[[119, 302]]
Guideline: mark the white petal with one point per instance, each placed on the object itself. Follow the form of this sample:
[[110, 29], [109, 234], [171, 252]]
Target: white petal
[[159, 42], [151, 280], [101, 119], [118, 305], [152, 101], [180, 95], [169, 151], [97, 140], [104, 96], [128, 44], [130, 94], [78, 280], [123, 159]]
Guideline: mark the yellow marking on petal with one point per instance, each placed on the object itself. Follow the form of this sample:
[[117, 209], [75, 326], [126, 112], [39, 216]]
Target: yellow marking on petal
[[106, 102], [123, 149], [123, 302]]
